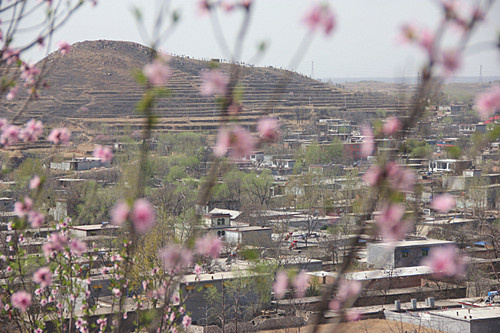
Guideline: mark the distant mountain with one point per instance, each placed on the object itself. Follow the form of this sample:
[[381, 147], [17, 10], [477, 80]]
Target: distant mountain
[[93, 86]]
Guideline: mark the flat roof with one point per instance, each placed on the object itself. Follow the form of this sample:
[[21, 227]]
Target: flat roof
[[249, 228], [413, 242], [470, 314], [90, 227], [379, 273]]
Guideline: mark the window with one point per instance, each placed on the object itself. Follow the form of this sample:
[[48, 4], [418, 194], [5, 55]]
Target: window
[[425, 252], [220, 221], [404, 253]]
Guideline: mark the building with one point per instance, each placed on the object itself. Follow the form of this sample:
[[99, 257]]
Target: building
[[449, 165], [352, 150], [254, 236], [218, 222], [82, 231], [6, 204], [403, 253], [468, 129], [79, 164], [452, 320]]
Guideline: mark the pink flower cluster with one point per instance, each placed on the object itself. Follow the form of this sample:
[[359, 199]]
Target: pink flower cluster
[[320, 16], [445, 262], [158, 72], [43, 277], [64, 47], [25, 208], [488, 102], [300, 283], [235, 137], [209, 245], [443, 203], [347, 289], [60, 135], [213, 82], [400, 178], [104, 153], [11, 134], [142, 215], [21, 300], [175, 258], [390, 222]]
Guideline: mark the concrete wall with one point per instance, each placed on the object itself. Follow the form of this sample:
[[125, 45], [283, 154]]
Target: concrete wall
[[441, 324]]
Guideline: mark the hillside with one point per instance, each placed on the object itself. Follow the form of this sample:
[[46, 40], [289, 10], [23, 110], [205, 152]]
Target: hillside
[[93, 86]]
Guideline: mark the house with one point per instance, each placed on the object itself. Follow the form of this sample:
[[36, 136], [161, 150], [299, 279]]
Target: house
[[6, 204], [252, 235], [79, 164], [82, 231], [218, 222], [404, 253], [467, 129], [449, 165]]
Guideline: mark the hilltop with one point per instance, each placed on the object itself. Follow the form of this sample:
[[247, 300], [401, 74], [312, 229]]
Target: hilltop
[[93, 86]]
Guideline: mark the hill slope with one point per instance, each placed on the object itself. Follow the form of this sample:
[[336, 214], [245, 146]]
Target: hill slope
[[93, 86]]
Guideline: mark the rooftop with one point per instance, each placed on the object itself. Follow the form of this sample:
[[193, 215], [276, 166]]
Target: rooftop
[[413, 242]]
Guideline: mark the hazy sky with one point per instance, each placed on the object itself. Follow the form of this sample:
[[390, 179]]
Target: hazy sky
[[364, 43]]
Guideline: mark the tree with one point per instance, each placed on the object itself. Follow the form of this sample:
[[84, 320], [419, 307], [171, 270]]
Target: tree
[[258, 187]]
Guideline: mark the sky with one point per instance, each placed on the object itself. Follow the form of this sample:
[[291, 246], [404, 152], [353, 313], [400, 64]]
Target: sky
[[364, 43]]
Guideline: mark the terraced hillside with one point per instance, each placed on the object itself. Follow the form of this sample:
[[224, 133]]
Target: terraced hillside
[[93, 86]]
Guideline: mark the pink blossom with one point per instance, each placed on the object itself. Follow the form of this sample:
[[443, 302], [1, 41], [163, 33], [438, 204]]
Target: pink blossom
[[35, 218], [35, 182], [444, 261], [116, 292], [348, 289], [391, 126], [158, 72], [352, 315], [57, 243], [241, 142], [197, 269], [10, 135], [22, 208], [209, 245], [12, 93], [451, 61], [426, 40], [43, 276], [400, 178], [186, 321], [320, 16], [390, 222], [236, 138], [443, 203], [373, 176], [21, 300], [77, 247], [59, 135], [104, 153], [281, 284], [143, 216], [268, 129], [214, 82], [488, 102], [223, 142], [32, 130], [368, 144], [119, 213], [64, 47], [300, 283], [175, 258], [28, 73], [11, 56], [4, 123]]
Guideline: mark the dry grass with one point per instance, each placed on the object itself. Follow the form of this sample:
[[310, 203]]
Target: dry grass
[[364, 326]]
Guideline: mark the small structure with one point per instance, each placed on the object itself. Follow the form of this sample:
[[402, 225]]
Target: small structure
[[254, 236], [82, 231], [403, 253], [449, 165], [218, 222], [467, 320], [6, 204], [79, 164], [467, 129]]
